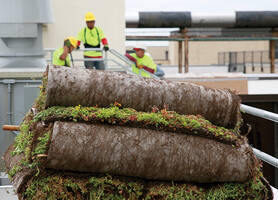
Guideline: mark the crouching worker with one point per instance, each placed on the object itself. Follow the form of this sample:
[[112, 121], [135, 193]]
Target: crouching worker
[[61, 56], [142, 61]]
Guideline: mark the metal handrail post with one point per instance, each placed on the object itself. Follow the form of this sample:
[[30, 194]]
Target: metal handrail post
[[105, 59]]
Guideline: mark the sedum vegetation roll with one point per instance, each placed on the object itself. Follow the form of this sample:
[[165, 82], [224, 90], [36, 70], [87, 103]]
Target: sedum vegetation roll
[[73, 87], [79, 152], [148, 154]]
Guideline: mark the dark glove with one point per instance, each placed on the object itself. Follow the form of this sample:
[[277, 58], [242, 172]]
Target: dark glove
[[78, 47], [106, 48]]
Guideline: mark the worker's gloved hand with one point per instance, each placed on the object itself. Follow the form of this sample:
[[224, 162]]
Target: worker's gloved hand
[[140, 66], [105, 48]]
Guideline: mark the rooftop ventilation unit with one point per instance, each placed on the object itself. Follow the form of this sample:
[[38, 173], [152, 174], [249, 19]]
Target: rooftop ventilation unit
[[21, 32]]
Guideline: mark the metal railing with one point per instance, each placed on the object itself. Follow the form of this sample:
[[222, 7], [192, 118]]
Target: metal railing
[[127, 67], [245, 59], [266, 158], [265, 115], [51, 51], [259, 113]]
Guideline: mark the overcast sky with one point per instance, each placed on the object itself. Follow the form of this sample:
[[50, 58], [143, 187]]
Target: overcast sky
[[200, 5]]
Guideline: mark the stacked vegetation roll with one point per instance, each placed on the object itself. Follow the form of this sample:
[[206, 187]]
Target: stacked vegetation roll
[[79, 152], [72, 87]]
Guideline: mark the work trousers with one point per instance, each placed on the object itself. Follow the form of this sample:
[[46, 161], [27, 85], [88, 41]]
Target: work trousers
[[98, 65]]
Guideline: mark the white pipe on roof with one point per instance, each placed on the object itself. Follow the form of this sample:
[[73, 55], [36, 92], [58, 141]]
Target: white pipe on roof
[[132, 20], [213, 20]]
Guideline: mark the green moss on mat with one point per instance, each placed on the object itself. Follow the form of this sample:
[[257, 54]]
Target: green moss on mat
[[51, 185], [40, 101], [23, 145], [14, 170], [162, 120], [41, 147], [23, 141]]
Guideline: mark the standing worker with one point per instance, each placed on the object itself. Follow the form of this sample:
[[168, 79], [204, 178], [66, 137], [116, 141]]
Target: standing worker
[[91, 37], [142, 61], [61, 56]]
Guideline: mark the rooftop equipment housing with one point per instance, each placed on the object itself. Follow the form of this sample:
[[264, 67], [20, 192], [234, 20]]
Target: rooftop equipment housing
[[21, 32]]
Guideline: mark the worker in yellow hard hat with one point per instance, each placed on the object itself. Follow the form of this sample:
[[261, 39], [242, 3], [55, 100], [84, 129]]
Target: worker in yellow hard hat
[[61, 56], [142, 60], [92, 36]]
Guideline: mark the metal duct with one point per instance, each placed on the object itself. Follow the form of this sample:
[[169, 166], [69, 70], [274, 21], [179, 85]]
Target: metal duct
[[240, 19], [164, 19], [21, 32], [257, 19]]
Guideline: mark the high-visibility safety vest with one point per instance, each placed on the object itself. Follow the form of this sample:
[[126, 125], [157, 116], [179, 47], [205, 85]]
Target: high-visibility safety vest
[[91, 38], [56, 58], [147, 61]]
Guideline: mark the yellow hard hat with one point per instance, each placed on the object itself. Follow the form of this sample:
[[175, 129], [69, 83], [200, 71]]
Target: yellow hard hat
[[89, 17], [72, 40]]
